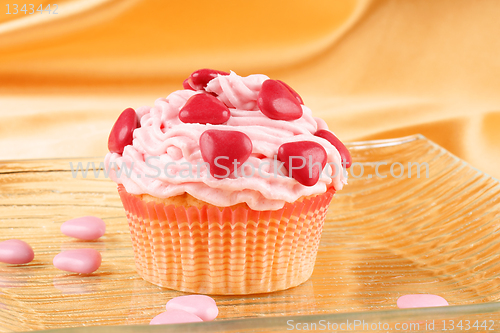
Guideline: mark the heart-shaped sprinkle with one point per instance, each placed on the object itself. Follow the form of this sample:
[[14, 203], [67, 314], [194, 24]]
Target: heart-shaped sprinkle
[[277, 102], [199, 79], [294, 93], [122, 132], [303, 159], [186, 85], [204, 109], [344, 153], [220, 149]]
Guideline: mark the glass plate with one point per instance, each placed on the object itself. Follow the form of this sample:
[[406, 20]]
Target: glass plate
[[387, 234]]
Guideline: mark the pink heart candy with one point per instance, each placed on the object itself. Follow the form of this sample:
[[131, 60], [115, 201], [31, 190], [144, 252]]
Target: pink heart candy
[[204, 109], [83, 261], [86, 228], [277, 102], [220, 149], [15, 251], [174, 317], [122, 132], [294, 93], [345, 155], [420, 301], [200, 305], [199, 79], [301, 158]]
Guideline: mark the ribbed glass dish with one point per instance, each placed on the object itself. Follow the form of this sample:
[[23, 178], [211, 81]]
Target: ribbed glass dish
[[388, 233]]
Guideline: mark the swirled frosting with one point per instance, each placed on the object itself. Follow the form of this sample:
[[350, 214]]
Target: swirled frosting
[[165, 160]]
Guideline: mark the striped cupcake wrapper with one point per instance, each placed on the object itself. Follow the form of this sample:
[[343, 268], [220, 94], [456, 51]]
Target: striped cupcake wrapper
[[225, 251]]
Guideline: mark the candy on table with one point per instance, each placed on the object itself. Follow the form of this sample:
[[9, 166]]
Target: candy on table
[[15, 251], [85, 228], [187, 309], [174, 317], [200, 305], [420, 301], [83, 261]]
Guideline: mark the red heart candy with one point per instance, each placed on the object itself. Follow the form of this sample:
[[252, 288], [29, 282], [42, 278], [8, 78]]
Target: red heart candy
[[277, 102], [186, 85], [300, 159], [294, 93], [223, 148], [204, 109], [344, 153], [199, 79], [122, 132]]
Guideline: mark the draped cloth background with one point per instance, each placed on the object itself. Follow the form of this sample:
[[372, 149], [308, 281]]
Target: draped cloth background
[[371, 69]]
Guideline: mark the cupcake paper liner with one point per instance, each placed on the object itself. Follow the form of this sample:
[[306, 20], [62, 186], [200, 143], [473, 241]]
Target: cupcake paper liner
[[225, 251]]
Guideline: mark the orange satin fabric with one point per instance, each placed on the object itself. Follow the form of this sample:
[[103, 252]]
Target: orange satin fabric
[[371, 69]]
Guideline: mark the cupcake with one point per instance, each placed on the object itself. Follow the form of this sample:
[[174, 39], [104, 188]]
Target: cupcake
[[226, 184]]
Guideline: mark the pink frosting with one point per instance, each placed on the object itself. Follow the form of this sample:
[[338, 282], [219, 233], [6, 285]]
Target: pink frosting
[[165, 144]]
